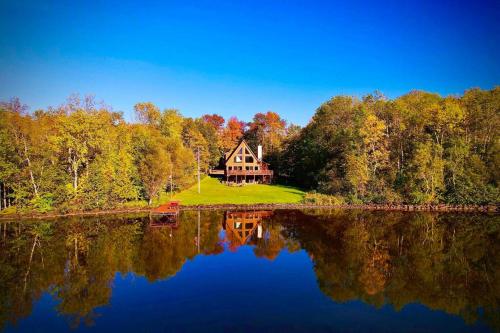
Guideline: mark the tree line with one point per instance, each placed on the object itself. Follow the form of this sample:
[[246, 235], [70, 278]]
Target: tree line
[[418, 148]]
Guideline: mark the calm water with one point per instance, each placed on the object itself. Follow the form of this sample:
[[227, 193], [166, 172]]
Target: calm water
[[304, 271]]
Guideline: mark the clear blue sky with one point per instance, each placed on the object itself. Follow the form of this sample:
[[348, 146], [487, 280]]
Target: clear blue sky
[[243, 57]]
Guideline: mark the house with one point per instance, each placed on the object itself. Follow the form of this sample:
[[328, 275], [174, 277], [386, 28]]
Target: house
[[240, 165]]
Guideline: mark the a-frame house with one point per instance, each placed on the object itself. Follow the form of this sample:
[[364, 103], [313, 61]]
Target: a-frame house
[[241, 165]]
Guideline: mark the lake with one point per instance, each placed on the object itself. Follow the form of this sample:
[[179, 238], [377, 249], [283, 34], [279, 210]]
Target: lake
[[266, 271]]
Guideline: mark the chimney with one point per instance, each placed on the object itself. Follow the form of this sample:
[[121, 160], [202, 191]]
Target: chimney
[[259, 152]]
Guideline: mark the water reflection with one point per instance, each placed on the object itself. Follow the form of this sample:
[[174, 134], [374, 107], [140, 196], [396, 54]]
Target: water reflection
[[446, 262], [241, 226]]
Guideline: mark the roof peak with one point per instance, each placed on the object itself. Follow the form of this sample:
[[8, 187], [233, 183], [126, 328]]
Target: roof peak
[[231, 152]]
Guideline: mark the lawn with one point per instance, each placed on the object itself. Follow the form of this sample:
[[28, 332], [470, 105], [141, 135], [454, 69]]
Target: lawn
[[214, 192]]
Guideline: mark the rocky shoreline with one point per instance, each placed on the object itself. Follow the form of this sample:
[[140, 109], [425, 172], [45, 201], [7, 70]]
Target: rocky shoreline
[[373, 207]]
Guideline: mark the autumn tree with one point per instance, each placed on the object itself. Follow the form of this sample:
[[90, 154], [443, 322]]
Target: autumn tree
[[232, 133], [215, 120], [171, 124], [148, 113], [154, 163], [267, 129]]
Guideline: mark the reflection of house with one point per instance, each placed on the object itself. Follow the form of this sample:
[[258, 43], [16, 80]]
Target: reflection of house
[[241, 165], [242, 224]]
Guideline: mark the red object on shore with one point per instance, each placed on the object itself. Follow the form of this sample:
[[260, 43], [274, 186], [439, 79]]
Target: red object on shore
[[170, 208]]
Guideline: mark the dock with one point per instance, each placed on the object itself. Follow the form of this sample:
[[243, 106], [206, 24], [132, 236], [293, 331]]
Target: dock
[[165, 215], [169, 209]]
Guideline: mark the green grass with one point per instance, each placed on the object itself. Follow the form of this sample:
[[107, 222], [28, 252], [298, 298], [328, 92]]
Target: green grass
[[214, 192]]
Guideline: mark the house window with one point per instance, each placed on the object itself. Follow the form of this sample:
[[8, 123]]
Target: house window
[[247, 152], [247, 168], [240, 151], [248, 159], [230, 168], [256, 168], [237, 159]]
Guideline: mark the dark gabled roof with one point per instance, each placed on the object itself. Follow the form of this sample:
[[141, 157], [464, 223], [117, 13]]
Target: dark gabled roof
[[239, 144]]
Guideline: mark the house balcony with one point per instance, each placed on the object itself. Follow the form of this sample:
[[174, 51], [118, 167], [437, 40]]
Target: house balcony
[[249, 173], [216, 172]]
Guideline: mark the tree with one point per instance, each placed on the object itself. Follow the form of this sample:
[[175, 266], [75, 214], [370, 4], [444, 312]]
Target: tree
[[215, 120], [110, 179], [232, 133], [267, 129], [374, 139], [358, 173], [193, 139], [428, 172], [148, 113], [8, 158], [79, 138], [154, 169], [171, 124]]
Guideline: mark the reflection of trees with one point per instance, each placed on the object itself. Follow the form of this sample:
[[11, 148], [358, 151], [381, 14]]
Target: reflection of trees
[[29, 262], [161, 255], [210, 227], [77, 259], [96, 251], [40, 232], [374, 273], [164, 251], [272, 242], [446, 262]]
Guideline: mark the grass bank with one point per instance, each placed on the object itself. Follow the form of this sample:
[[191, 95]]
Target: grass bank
[[214, 192]]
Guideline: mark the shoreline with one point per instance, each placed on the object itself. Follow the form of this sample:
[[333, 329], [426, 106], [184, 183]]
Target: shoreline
[[269, 206]]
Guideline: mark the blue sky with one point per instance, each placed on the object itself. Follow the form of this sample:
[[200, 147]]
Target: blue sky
[[243, 57]]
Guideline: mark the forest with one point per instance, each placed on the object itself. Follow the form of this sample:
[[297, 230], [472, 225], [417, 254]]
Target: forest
[[419, 148]]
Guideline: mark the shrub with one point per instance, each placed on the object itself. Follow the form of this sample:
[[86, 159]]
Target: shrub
[[319, 199], [43, 203]]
